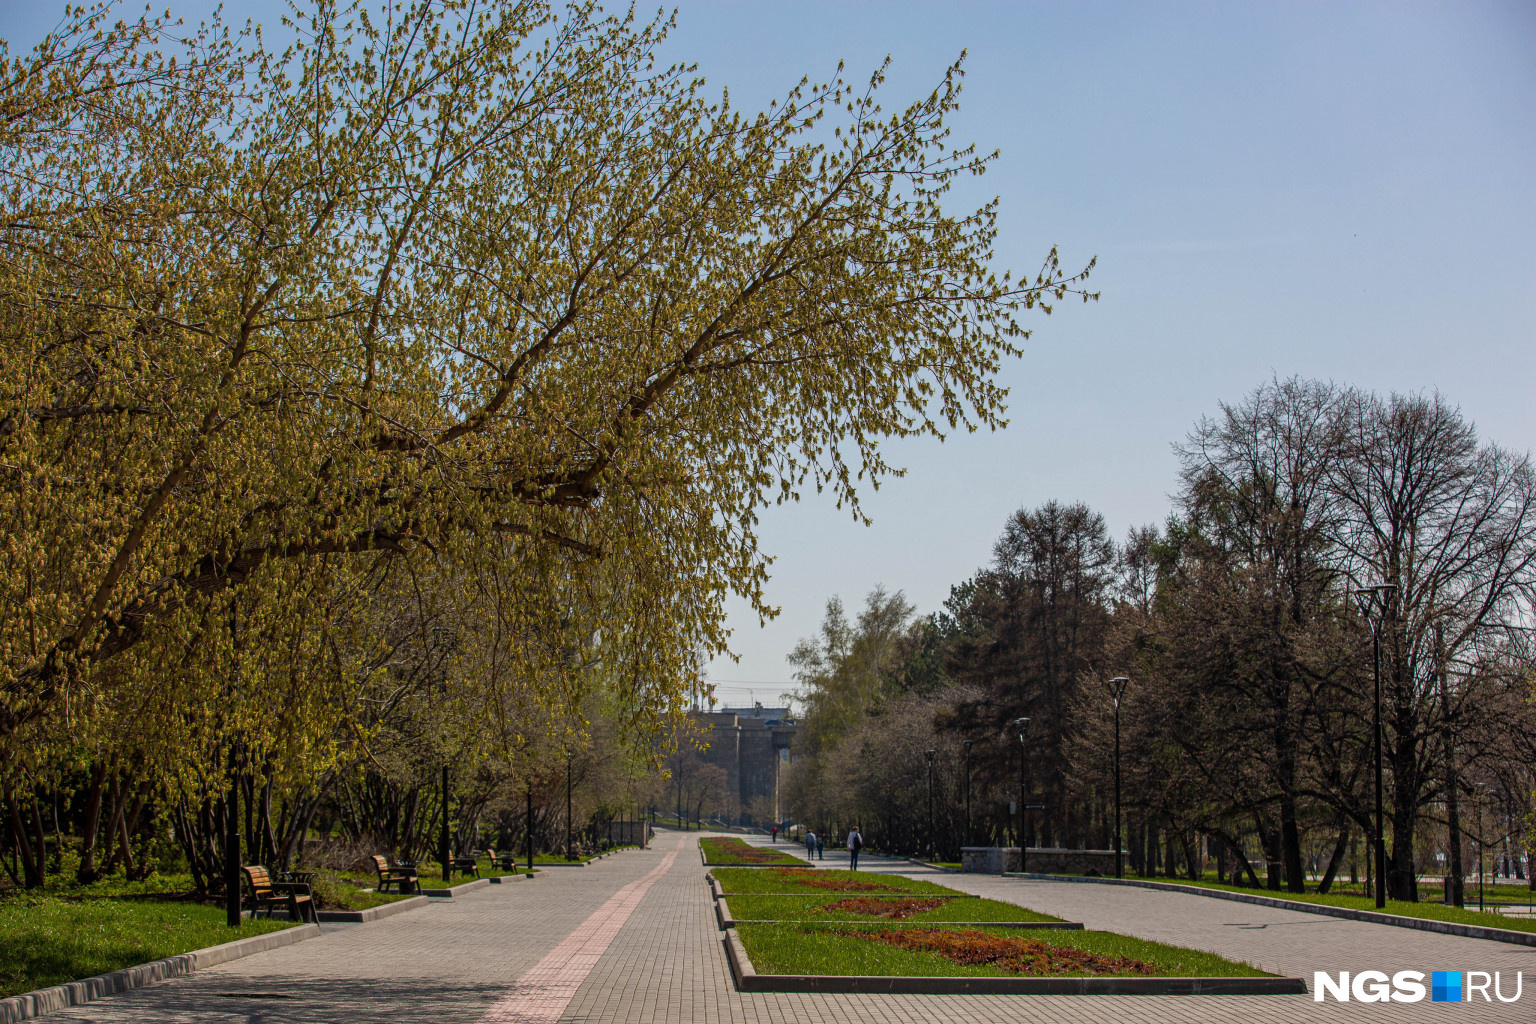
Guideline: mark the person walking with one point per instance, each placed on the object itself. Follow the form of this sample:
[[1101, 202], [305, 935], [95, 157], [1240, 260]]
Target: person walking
[[810, 845], [855, 844], [773, 834], [820, 846]]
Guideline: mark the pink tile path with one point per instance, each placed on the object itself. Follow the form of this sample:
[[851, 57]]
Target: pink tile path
[[542, 994]]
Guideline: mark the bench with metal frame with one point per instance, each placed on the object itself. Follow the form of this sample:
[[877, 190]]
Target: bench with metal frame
[[402, 875], [266, 895]]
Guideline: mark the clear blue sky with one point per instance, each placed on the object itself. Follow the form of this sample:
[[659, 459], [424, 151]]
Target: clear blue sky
[[1344, 191]]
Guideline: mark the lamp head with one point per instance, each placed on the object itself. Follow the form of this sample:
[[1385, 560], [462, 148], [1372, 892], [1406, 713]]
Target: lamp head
[[1365, 598], [930, 754], [1019, 726], [1117, 687], [967, 745]]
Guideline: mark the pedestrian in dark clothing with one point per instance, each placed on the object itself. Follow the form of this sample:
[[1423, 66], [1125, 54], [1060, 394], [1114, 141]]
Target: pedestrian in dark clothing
[[855, 844], [820, 846]]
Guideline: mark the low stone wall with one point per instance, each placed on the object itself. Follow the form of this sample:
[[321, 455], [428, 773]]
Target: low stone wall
[[994, 860]]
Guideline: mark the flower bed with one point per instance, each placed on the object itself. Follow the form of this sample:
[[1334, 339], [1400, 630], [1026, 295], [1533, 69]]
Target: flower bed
[[928, 909], [919, 951], [817, 881], [730, 850]]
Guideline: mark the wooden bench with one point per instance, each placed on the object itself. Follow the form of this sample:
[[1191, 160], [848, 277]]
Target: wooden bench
[[401, 876], [466, 865], [504, 861], [266, 895]]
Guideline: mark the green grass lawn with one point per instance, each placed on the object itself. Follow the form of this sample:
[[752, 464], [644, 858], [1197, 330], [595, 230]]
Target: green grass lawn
[[64, 884], [730, 850], [823, 908], [815, 882], [1424, 911], [47, 941], [431, 875], [818, 949]]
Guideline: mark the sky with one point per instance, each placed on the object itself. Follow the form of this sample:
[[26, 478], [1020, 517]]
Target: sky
[[1343, 191]]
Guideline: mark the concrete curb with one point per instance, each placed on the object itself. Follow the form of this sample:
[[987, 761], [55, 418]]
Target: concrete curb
[[457, 890], [505, 879], [75, 993], [929, 864], [372, 913], [1466, 931], [748, 980]]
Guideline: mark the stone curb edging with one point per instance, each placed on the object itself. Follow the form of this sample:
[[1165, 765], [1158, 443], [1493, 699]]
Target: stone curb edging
[[372, 913], [930, 864], [748, 980], [1466, 931], [74, 993], [505, 879], [456, 890]]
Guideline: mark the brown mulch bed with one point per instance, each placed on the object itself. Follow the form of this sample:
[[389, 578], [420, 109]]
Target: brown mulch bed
[[804, 876], [890, 910], [1018, 956]]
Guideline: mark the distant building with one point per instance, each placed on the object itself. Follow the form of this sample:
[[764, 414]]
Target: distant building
[[749, 744]]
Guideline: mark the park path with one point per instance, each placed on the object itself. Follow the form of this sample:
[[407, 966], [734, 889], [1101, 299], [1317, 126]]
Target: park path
[[636, 957]]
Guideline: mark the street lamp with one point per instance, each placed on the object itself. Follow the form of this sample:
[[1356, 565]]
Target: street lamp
[[1375, 599], [447, 859], [1117, 687], [529, 792], [1482, 789], [967, 747], [932, 841], [1021, 726], [569, 853]]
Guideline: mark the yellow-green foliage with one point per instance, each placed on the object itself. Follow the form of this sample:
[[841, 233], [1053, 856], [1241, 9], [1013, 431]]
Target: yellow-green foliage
[[476, 297]]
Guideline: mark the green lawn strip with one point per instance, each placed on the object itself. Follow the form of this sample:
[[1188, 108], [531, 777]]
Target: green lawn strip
[[336, 891], [432, 875], [805, 908], [46, 941], [1423, 911], [757, 881], [61, 884], [733, 851], [814, 949]]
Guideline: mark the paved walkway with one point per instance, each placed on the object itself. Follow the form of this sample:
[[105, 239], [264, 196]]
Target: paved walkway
[[636, 943]]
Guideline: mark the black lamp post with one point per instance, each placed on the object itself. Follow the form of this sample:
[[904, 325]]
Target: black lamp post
[[447, 853], [1117, 687], [1021, 727], [232, 802], [932, 838], [232, 842], [530, 826], [569, 853], [1481, 789], [1374, 600], [966, 746]]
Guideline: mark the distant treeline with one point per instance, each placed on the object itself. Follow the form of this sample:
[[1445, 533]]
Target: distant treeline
[[1246, 726]]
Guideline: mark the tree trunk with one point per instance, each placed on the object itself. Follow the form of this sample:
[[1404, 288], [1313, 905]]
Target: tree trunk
[[31, 862], [1402, 878], [1290, 846], [1193, 866], [1339, 847], [86, 873]]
